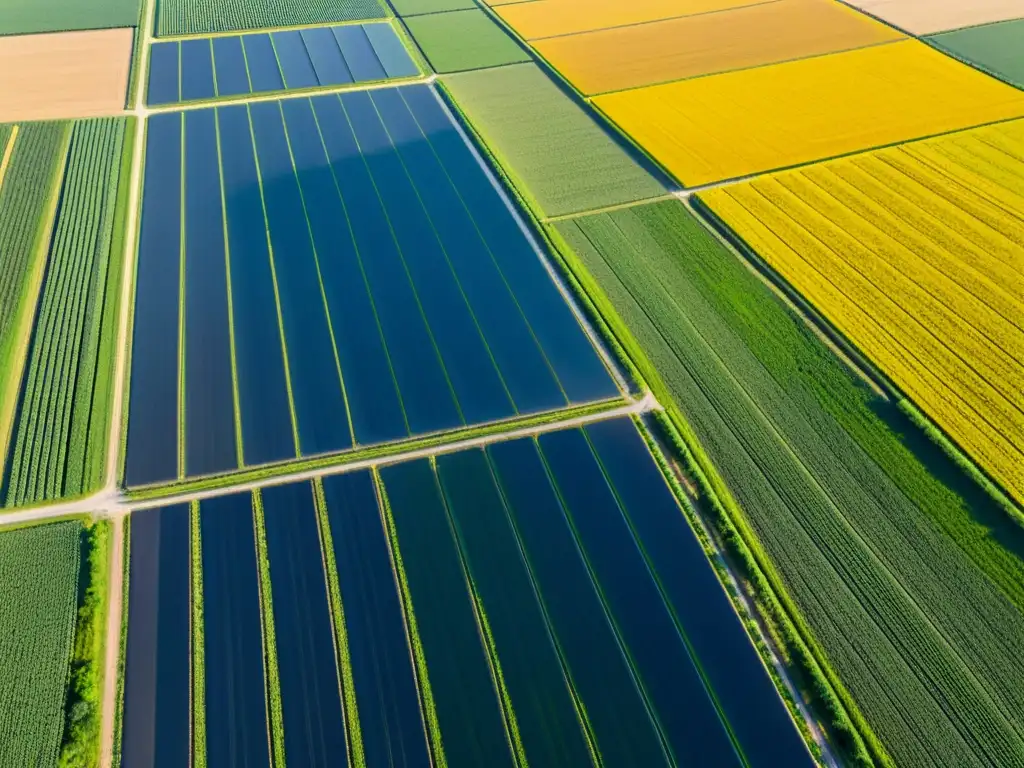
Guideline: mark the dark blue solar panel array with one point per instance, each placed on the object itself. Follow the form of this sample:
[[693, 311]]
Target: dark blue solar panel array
[[354, 261], [264, 62]]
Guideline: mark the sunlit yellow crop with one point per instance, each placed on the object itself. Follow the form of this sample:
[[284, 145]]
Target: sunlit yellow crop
[[916, 254], [708, 43], [545, 18], [739, 123]]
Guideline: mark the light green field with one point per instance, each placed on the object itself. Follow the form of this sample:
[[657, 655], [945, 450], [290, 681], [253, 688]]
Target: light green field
[[559, 157], [463, 40], [417, 7], [995, 48], [21, 17]]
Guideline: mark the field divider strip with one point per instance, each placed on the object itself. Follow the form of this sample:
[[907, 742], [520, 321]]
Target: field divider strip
[[197, 644]]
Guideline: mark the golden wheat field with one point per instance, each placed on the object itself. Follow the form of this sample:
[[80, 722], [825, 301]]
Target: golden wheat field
[[547, 18], [916, 254], [739, 123], [645, 54]]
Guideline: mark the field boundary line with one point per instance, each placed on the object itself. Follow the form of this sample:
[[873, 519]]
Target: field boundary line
[[556, 277], [8, 151]]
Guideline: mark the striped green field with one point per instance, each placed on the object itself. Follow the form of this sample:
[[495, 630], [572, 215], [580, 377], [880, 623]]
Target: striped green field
[[190, 17], [561, 160], [39, 570], [463, 40], [23, 17], [418, 7], [905, 579], [28, 189], [59, 441]]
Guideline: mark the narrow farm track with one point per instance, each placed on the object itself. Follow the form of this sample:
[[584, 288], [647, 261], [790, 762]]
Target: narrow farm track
[[112, 645]]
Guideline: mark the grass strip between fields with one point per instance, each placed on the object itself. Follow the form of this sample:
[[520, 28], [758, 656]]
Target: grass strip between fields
[[197, 641], [420, 659], [123, 646], [348, 686], [269, 637]]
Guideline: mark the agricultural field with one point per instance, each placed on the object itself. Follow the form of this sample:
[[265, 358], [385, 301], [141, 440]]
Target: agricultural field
[[539, 600], [914, 254], [419, 7], [25, 17], [994, 48], [548, 143], [39, 570], [863, 99], [462, 40], [196, 17], [411, 302], [705, 44], [57, 446], [205, 69], [65, 75], [905, 579], [923, 18], [540, 19]]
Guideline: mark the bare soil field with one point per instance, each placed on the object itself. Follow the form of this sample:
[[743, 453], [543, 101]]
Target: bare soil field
[[64, 75], [923, 17]]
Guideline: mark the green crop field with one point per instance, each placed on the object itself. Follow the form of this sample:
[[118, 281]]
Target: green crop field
[[463, 40], [906, 576], [59, 441], [189, 17], [995, 48], [417, 7], [39, 571], [27, 204], [547, 142], [22, 17]]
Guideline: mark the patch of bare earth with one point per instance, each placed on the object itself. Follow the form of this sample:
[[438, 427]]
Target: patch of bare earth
[[64, 74], [923, 17]]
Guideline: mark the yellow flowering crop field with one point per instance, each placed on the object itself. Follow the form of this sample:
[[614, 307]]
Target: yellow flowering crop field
[[916, 254], [547, 18], [740, 123], [709, 43]]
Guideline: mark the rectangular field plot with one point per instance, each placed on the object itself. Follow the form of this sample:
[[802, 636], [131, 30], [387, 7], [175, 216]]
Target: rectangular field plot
[[267, 62], [349, 276], [740, 123], [995, 48], [195, 17], [914, 253], [462, 40], [923, 17], [563, 160], [691, 46], [550, 18], [157, 724]]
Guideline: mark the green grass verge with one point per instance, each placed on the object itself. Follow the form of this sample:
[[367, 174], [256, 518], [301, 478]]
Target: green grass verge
[[123, 641], [269, 636], [463, 40], [39, 568], [547, 142], [198, 642], [428, 442], [84, 704]]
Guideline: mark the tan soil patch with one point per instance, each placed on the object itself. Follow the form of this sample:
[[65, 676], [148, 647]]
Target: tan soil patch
[[64, 75], [923, 17]]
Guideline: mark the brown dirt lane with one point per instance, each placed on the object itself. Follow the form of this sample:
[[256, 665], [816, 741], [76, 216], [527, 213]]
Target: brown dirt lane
[[112, 646], [64, 75]]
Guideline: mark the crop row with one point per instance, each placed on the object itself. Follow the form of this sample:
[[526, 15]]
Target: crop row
[[488, 607], [917, 287], [192, 17], [410, 301], [39, 568], [59, 438], [885, 563]]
